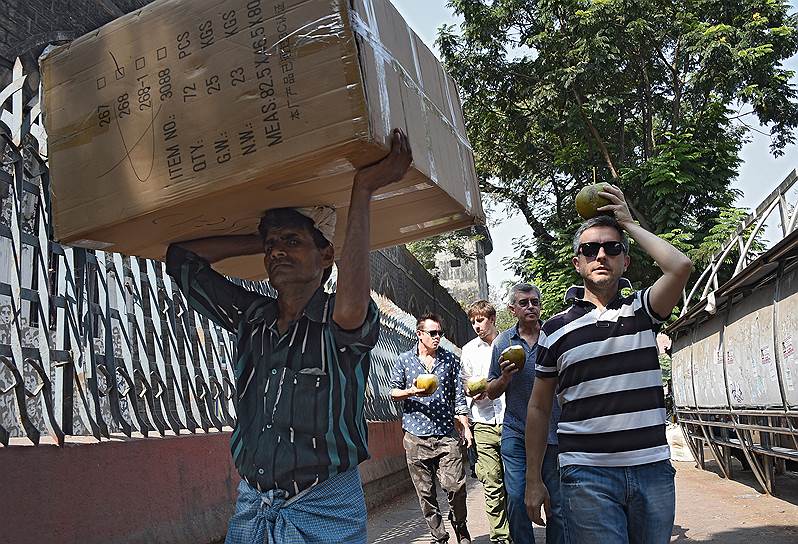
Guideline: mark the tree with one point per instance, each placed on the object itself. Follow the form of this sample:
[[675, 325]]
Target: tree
[[652, 95]]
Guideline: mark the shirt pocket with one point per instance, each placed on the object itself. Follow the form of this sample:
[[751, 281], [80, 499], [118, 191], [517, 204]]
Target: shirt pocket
[[302, 401]]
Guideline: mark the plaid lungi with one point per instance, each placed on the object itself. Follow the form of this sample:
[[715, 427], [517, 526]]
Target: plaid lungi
[[333, 511]]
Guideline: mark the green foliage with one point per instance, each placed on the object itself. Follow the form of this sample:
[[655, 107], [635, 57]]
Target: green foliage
[[724, 226], [504, 319], [649, 94], [665, 365]]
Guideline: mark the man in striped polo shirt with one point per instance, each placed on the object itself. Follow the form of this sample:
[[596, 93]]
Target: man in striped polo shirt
[[302, 363], [601, 357]]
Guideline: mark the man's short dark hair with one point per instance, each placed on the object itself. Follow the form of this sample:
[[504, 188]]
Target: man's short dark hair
[[281, 218], [601, 221], [431, 316], [483, 308], [522, 288]]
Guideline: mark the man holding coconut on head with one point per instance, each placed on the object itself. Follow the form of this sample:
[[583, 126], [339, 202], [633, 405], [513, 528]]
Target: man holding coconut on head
[[426, 380], [600, 356]]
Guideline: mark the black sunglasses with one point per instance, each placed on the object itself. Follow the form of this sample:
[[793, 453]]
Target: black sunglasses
[[433, 333], [591, 249]]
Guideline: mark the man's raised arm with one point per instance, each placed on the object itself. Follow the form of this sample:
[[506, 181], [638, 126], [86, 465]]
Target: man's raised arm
[[217, 248], [676, 266], [353, 291]]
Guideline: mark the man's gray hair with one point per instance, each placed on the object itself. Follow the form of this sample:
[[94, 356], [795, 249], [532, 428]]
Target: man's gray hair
[[601, 221], [521, 288]]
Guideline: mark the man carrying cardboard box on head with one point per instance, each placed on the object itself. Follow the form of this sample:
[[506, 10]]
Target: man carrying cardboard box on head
[[303, 361]]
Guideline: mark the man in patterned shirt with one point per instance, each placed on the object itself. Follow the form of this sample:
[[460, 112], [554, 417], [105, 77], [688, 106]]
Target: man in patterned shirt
[[616, 479], [432, 423], [303, 362]]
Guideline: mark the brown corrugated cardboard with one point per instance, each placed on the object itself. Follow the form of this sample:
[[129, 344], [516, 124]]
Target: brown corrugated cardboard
[[190, 118]]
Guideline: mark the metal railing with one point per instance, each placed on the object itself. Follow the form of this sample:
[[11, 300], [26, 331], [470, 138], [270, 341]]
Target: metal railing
[[734, 368], [750, 229], [95, 343]]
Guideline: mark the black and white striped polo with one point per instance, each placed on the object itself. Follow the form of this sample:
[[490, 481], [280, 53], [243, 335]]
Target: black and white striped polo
[[609, 381]]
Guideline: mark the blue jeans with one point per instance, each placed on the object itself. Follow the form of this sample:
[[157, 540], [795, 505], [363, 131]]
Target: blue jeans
[[514, 459], [619, 505]]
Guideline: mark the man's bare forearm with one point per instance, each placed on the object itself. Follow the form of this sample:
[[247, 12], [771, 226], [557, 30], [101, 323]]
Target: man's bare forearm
[[354, 288], [497, 387], [536, 433], [401, 394], [670, 260], [354, 281], [676, 268], [217, 248]]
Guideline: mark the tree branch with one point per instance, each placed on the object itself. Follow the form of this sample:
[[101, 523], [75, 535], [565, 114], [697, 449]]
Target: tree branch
[[538, 229], [596, 136]]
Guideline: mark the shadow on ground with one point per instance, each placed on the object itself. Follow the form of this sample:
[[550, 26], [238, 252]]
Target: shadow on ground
[[784, 534], [785, 486]]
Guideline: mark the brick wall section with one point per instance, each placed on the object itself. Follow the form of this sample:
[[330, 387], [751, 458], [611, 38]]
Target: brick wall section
[[27, 26], [175, 490]]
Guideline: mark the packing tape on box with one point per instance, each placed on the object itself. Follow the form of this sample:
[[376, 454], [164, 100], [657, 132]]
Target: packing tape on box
[[357, 22], [370, 34], [329, 23], [433, 171], [367, 34]]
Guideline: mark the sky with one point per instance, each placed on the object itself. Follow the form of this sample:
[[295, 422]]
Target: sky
[[759, 174]]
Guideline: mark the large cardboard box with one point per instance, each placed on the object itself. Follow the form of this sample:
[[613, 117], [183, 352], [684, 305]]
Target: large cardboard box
[[189, 118]]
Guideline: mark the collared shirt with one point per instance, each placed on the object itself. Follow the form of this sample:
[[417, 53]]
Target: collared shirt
[[432, 415], [300, 394], [609, 381], [520, 388], [475, 361]]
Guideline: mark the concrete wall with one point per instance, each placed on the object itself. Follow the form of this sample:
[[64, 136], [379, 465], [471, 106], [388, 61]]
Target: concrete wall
[[175, 490], [396, 274]]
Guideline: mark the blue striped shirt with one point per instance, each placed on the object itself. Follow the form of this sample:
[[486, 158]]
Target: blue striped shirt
[[299, 394]]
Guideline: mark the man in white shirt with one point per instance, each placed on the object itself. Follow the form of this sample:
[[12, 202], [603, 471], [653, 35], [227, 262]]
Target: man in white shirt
[[487, 416]]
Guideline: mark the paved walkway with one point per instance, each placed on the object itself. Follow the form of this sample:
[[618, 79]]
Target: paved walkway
[[400, 522], [709, 509]]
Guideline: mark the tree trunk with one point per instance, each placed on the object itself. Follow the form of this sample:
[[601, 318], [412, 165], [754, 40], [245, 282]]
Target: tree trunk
[[596, 136]]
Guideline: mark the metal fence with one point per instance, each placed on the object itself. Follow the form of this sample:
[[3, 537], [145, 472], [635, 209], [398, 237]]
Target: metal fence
[[95, 343], [734, 368]]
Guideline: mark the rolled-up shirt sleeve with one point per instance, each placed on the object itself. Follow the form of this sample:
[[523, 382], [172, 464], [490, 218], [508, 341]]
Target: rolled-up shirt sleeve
[[644, 300], [365, 337], [398, 377], [495, 371], [207, 291]]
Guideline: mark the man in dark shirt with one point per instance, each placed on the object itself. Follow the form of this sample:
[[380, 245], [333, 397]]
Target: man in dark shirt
[[431, 423], [504, 377], [303, 362]]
